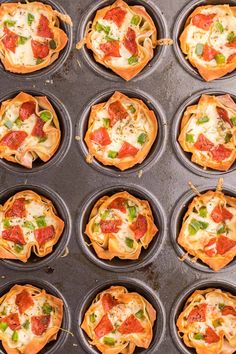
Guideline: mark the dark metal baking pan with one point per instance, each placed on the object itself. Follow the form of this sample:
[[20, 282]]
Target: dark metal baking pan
[[70, 182]]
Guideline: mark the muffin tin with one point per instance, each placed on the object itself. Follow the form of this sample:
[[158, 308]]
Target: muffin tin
[[73, 185]]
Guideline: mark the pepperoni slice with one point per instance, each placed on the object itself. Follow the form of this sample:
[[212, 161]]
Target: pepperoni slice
[[43, 29], [39, 324], [130, 42], [131, 325], [231, 58], [26, 110], [208, 249], [232, 44], [220, 214], [14, 234], [139, 227], [100, 136], [110, 226], [38, 128], [12, 320], [223, 114], [127, 150], [119, 204], [116, 112], [209, 53], [10, 40], [104, 327], [116, 15], [203, 21], [17, 209], [108, 302], [228, 310], [14, 139], [224, 244], [24, 301], [111, 49], [40, 50], [198, 314], [44, 234], [203, 144], [211, 336], [220, 153]]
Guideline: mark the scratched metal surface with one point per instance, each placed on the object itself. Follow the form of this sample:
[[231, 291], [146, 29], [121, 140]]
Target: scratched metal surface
[[74, 180]]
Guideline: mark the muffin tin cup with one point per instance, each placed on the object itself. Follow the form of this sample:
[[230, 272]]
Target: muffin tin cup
[[66, 134], [35, 262], [159, 51], [132, 285], [55, 66], [55, 345], [156, 149], [116, 264], [177, 216], [178, 307], [185, 157], [179, 28]]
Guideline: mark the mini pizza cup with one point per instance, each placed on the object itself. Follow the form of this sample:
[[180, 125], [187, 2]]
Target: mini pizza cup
[[180, 302], [157, 22], [218, 155], [116, 264], [58, 29], [64, 328], [155, 150], [56, 203], [179, 28], [61, 133], [132, 285], [178, 213], [186, 157]]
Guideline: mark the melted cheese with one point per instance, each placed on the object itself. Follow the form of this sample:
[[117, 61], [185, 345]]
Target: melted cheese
[[117, 315], [23, 54], [214, 130], [24, 335], [213, 37], [202, 237], [117, 33], [12, 114], [124, 229], [33, 210], [127, 129], [213, 312]]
